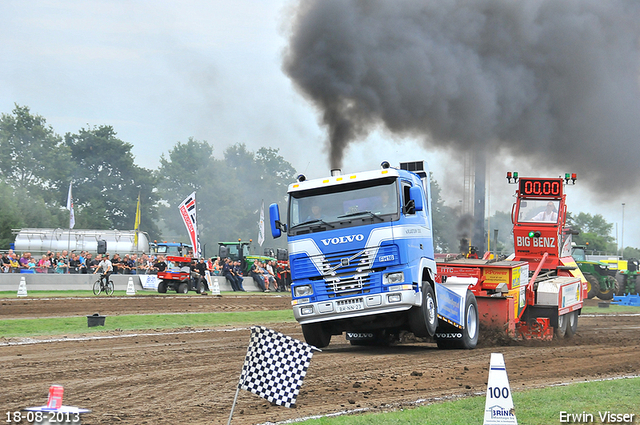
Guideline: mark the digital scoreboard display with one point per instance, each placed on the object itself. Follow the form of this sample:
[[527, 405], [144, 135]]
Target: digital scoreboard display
[[540, 188]]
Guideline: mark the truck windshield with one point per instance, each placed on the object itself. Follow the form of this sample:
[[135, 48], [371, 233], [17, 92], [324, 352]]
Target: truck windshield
[[536, 210], [343, 205]]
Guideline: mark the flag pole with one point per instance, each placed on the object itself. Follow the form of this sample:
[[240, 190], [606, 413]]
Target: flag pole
[[234, 404], [72, 222]]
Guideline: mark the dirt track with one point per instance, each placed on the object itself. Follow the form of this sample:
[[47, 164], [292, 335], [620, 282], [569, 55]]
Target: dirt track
[[190, 375]]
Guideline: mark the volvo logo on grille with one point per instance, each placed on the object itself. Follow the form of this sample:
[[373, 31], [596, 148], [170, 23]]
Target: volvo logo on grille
[[342, 239], [344, 262]]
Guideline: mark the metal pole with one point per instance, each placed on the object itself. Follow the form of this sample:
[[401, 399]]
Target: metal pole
[[68, 249], [622, 234], [233, 406]]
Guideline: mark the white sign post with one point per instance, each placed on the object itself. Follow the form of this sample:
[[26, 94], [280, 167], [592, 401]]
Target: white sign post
[[498, 409]]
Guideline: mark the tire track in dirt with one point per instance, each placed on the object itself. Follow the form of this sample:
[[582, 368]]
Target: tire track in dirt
[[166, 377]]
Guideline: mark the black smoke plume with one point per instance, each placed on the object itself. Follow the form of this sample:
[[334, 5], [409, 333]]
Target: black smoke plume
[[555, 81]]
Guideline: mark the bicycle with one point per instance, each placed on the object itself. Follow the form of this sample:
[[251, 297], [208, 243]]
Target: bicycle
[[100, 286]]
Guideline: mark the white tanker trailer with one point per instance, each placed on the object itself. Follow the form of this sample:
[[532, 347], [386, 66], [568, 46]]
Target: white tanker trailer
[[38, 241]]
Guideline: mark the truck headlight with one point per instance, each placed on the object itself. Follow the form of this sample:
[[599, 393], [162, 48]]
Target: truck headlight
[[390, 278], [302, 290], [306, 310]]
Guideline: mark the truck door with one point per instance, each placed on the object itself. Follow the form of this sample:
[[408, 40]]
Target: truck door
[[415, 227]]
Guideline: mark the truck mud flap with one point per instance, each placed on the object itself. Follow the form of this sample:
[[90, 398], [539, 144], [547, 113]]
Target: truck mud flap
[[360, 336], [380, 337]]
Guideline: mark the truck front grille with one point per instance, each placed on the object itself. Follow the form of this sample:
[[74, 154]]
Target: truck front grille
[[348, 285]]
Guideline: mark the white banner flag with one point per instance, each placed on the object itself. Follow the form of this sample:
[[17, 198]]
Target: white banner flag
[[261, 225], [188, 213], [72, 218]]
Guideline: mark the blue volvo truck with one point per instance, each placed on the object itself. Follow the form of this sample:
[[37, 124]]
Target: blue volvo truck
[[362, 260]]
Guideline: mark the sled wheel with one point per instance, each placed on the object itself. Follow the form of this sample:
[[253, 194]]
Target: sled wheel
[[563, 321], [572, 324]]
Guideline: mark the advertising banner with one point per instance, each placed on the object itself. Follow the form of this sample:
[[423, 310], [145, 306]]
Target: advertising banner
[[188, 213]]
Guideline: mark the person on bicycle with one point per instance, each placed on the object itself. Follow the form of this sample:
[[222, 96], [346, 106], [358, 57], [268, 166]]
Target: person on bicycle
[[106, 267]]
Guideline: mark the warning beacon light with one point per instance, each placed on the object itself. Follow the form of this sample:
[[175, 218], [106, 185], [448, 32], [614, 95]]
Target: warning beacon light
[[512, 177], [570, 178]]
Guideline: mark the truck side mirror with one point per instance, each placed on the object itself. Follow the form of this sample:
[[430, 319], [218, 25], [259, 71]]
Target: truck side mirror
[[415, 203], [277, 227]]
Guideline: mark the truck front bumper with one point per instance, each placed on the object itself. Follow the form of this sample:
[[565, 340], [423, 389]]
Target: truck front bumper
[[356, 306]]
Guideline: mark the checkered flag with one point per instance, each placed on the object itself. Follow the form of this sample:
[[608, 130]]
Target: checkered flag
[[275, 366]]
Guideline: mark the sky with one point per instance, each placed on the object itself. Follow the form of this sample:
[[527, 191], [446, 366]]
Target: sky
[[162, 71]]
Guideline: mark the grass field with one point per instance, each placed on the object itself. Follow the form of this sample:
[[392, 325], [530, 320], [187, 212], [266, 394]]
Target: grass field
[[78, 325], [532, 407]]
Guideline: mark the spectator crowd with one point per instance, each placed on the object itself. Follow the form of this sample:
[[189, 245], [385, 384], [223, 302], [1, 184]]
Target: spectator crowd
[[268, 275]]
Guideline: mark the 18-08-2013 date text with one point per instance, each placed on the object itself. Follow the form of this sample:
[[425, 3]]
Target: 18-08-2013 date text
[[53, 417]]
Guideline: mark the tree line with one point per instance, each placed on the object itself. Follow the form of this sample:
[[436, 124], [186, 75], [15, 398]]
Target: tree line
[[37, 164]]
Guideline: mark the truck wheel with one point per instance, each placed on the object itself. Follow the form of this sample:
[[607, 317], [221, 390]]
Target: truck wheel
[[183, 288], [609, 293], [572, 324], [316, 334], [563, 321], [593, 286], [449, 336], [162, 287], [423, 321]]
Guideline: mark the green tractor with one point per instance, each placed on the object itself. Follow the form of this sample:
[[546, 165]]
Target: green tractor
[[239, 251], [601, 279], [629, 279]]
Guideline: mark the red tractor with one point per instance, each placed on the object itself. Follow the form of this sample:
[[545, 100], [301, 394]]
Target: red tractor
[[539, 290], [180, 278]]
